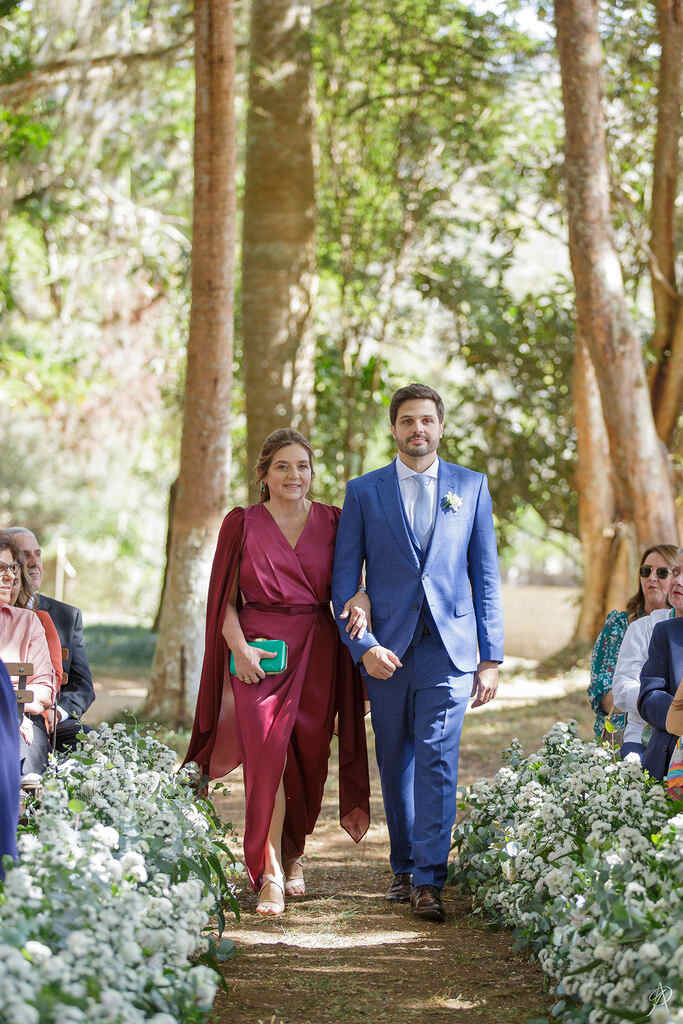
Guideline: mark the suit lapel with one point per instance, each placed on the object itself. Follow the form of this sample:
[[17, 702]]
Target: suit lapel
[[390, 500], [447, 481]]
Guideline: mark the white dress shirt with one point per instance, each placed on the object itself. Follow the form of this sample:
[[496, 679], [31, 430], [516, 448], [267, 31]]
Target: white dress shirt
[[626, 680], [409, 488]]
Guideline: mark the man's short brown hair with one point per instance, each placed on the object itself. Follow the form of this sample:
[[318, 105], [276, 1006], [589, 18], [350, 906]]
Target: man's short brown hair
[[411, 392]]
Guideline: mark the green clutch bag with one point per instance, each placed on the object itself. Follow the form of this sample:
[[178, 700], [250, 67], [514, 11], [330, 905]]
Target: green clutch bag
[[269, 665]]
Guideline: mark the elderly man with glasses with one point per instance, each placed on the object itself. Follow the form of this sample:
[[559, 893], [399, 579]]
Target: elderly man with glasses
[[78, 693]]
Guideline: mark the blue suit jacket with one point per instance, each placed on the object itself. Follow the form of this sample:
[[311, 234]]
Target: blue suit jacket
[[9, 767], [458, 578], [659, 679]]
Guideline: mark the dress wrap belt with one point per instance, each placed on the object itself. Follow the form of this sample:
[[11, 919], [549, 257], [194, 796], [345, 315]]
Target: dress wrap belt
[[286, 609]]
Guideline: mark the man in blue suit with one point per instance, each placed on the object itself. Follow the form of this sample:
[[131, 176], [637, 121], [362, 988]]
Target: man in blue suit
[[659, 679], [422, 530]]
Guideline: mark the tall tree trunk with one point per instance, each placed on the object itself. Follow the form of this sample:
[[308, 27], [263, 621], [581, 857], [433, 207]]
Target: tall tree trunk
[[666, 376], [597, 503], [639, 459], [278, 250], [204, 476]]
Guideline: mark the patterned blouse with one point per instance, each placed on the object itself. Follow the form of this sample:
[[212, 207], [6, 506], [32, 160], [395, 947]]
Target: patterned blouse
[[603, 664]]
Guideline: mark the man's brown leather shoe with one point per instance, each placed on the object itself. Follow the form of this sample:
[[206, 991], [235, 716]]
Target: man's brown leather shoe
[[399, 890], [426, 903]]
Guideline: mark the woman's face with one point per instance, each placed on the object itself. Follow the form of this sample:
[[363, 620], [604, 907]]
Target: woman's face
[[656, 590], [676, 591], [289, 474], [7, 576]]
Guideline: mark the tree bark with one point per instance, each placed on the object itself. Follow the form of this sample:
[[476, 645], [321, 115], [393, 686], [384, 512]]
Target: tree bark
[[639, 459], [204, 476], [597, 502], [666, 376], [278, 251]]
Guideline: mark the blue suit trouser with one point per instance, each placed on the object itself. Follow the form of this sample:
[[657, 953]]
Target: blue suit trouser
[[417, 718]]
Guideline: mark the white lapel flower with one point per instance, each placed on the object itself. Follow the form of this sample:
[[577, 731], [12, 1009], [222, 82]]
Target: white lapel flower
[[451, 501]]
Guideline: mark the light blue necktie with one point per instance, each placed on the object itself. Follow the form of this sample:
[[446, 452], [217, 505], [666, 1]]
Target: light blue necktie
[[422, 514]]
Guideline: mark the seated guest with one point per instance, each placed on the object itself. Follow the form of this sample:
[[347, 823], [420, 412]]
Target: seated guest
[[22, 591], [78, 693], [22, 638], [659, 680], [632, 657], [674, 716], [9, 768], [654, 581]]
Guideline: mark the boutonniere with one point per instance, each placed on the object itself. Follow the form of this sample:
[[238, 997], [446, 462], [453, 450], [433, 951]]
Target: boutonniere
[[451, 501]]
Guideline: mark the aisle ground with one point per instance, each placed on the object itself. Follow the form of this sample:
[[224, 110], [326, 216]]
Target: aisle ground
[[342, 954]]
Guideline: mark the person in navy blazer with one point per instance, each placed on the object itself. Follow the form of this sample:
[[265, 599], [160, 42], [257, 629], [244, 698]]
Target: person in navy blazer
[[422, 531], [659, 679], [10, 774]]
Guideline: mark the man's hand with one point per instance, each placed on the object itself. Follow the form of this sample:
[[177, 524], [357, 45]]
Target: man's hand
[[485, 684], [380, 662], [357, 611]]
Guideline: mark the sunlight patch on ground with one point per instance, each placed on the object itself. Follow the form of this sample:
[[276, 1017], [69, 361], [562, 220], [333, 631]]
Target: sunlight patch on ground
[[324, 940], [452, 1003]]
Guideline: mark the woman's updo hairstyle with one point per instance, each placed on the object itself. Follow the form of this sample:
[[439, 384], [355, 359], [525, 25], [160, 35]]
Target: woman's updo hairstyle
[[271, 446]]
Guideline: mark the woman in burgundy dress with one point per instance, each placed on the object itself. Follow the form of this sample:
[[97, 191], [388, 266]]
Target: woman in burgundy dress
[[271, 579]]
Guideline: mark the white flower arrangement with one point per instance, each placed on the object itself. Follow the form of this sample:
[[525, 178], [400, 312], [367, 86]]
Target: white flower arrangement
[[119, 870], [582, 856], [451, 501]]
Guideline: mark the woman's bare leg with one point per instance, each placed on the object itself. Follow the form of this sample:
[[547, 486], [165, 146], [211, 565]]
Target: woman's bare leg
[[274, 842], [271, 897]]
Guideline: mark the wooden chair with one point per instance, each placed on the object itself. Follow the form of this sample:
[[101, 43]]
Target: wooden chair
[[21, 669]]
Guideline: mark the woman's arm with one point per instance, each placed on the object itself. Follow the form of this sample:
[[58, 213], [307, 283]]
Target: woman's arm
[[247, 658], [603, 660]]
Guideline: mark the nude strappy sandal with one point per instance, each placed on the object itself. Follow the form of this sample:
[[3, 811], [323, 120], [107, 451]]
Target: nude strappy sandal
[[271, 897], [294, 878]]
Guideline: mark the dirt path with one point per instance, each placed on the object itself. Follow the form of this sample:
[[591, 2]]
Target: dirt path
[[343, 954]]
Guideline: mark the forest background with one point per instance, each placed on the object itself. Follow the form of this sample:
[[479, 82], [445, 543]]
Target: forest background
[[479, 195]]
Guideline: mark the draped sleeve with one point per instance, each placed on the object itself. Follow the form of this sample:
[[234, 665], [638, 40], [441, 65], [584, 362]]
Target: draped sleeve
[[223, 574]]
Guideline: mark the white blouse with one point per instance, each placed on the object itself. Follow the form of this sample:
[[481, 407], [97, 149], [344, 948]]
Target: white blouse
[[626, 681]]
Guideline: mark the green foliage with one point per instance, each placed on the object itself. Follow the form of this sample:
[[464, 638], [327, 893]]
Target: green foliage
[[514, 417], [441, 254], [19, 133]]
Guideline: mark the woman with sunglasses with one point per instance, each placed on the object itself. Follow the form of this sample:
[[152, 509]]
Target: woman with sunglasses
[[633, 655], [654, 582], [660, 681]]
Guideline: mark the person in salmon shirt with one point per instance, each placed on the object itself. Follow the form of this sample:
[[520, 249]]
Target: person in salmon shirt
[[22, 639]]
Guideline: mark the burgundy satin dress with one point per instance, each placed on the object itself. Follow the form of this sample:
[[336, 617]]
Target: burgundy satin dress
[[285, 722]]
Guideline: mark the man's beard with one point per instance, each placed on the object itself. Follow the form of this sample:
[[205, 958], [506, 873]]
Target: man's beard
[[408, 449]]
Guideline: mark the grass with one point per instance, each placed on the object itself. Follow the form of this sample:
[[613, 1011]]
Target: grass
[[120, 651]]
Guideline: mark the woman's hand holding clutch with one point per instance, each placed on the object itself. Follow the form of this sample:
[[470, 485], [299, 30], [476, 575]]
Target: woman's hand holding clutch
[[247, 663]]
